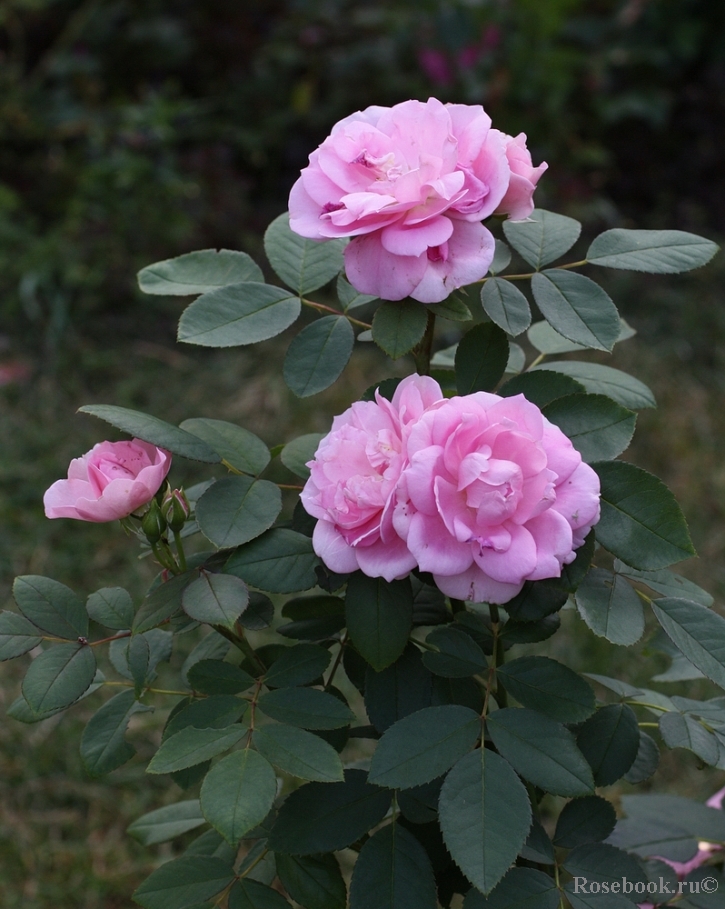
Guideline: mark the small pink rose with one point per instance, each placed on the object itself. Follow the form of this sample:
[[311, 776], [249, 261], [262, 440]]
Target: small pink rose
[[353, 482], [110, 481], [518, 203], [493, 495]]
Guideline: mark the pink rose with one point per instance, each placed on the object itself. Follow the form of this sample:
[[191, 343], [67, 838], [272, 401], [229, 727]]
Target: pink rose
[[410, 184], [110, 481], [518, 202], [353, 480], [494, 495]]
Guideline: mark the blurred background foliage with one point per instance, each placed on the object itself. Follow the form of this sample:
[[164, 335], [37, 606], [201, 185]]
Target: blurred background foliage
[[135, 130]]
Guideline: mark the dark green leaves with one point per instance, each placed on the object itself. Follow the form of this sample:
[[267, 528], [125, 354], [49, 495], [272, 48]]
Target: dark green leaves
[[481, 358], [237, 315], [314, 881], [299, 451], [543, 237], [306, 707], [17, 635], [587, 820], [304, 265], [167, 823], [485, 816], [577, 308], [250, 894], [51, 606], [398, 327], [298, 752], [602, 863], [237, 446], [318, 355], [506, 305], [393, 871], [657, 251], [237, 793], [153, 430], [191, 746], [235, 510], [185, 883], [58, 677], [551, 688], [603, 380], [424, 745], [641, 522], [697, 631], [521, 888], [610, 607], [280, 561], [458, 654], [103, 745], [379, 616], [599, 428], [541, 750], [217, 599], [298, 665], [112, 607], [609, 740], [325, 817], [198, 272]]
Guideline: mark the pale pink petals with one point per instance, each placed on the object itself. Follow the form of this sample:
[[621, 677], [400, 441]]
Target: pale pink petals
[[465, 258], [373, 270], [518, 201]]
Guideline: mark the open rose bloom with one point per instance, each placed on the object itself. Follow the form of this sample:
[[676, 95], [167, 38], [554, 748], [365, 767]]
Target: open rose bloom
[[411, 184], [481, 491], [110, 481]]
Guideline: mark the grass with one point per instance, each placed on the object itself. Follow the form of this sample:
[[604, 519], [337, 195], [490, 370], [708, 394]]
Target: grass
[[62, 836]]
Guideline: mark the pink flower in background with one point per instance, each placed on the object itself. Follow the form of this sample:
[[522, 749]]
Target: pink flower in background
[[494, 495], [410, 184], [518, 203], [353, 481], [110, 481]]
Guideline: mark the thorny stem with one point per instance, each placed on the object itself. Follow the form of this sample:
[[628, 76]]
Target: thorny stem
[[524, 277], [180, 550], [186, 694], [240, 642], [115, 637], [338, 660], [536, 361], [336, 312], [422, 351], [253, 865], [242, 473]]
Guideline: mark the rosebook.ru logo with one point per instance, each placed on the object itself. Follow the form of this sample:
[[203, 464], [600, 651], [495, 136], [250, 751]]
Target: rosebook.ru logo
[[653, 888]]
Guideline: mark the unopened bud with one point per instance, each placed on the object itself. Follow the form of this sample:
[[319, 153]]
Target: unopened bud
[[175, 509], [153, 523]]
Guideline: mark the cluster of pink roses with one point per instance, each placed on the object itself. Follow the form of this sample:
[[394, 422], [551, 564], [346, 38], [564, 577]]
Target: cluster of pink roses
[[411, 184], [481, 491]]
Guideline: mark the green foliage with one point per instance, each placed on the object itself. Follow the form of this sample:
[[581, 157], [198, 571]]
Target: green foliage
[[505, 305], [303, 265], [306, 708], [543, 684], [577, 308], [313, 880], [657, 251], [599, 428], [237, 793], [218, 599], [184, 883], [610, 607], [240, 448], [198, 273], [398, 327], [543, 237], [481, 358], [298, 752], [280, 561], [235, 510], [379, 615], [318, 355]]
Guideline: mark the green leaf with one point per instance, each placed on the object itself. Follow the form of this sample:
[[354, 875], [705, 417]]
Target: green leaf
[[349, 297], [646, 762], [111, 607], [216, 712], [458, 654], [610, 607], [609, 741], [59, 676], [543, 237], [326, 817], [543, 684], [318, 355], [198, 272], [587, 820], [547, 341], [306, 708], [167, 823], [152, 429], [600, 862], [162, 602], [314, 881], [298, 752], [315, 618], [298, 665], [249, 894], [259, 613], [424, 745], [599, 428], [185, 883], [192, 746], [501, 258], [398, 327], [485, 816], [521, 888], [299, 451], [537, 599], [304, 265], [506, 305], [697, 631], [452, 308], [641, 522], [237, 446], [235, 510], [541, 750], [577, 307], [481, 358], [17, 635], [667, 583], [103, 744], [237, 793], [216, 678], [280, 561], [603, 380], [397, 691], [393, 871], [663, 252], [238, 315], [379, 617], [216, 599], [51, 606], [541, 387], [683, 731]]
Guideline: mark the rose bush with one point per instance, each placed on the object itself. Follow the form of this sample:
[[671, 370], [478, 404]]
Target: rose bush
[[411, 184], [110, 481]]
